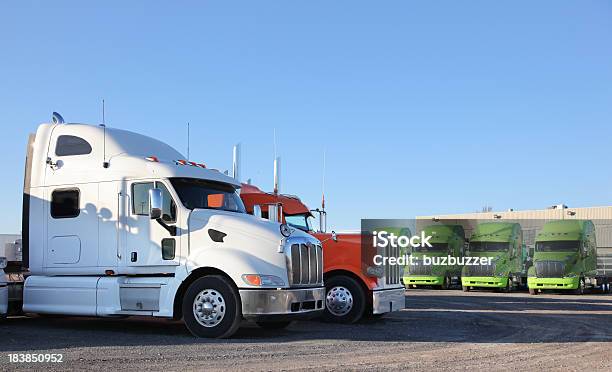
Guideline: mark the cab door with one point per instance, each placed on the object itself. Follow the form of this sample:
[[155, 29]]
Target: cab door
[[147, 241], [72, 227]]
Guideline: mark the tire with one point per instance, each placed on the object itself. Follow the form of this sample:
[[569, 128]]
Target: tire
[[345, 300], [465, 288], [215, 301], [533, 291], [273, 325], [508, 288]]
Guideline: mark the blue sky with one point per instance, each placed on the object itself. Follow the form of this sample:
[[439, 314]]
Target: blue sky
[[422, 107]]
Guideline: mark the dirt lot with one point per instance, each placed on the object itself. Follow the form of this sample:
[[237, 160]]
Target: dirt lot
[[439, 330]]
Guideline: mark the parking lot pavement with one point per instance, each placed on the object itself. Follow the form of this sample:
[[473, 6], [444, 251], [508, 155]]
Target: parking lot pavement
[[439, 330]]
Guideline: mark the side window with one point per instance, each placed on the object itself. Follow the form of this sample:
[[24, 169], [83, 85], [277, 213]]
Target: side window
[[140, 201], [71, 145], [65, 203], [140, 198], [169, 208]]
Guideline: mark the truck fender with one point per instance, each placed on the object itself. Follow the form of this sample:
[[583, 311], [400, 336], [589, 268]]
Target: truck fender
[[227, 262]]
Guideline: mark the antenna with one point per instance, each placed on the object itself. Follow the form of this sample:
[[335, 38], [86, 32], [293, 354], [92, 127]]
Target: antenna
[[323, 185], [277, 175], [188, 141], [104, 162]]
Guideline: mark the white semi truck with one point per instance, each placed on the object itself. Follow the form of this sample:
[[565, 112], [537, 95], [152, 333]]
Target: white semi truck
[[116, 223]]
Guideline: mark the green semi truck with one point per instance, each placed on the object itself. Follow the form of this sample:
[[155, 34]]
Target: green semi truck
[[446, 240], [503, 243], [565, 257]]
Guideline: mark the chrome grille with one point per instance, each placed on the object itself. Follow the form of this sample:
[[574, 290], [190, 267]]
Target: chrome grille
[[549, 269], [392, 272], [305, 263], [419, 268], [481, 270]]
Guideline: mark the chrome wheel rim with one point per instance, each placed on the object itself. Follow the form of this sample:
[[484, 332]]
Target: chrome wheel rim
[[339, 301], [209, 308]]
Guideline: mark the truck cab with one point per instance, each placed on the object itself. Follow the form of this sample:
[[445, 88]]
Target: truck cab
[[354, 287], [503, 243], [116, 223], [565, 257], [446, 240]]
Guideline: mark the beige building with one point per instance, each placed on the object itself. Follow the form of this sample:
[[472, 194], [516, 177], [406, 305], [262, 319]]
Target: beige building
[[533, 220]]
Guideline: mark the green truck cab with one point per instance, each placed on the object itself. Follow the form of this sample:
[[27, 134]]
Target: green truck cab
[[565, 257], [503, 243], [446, 241]]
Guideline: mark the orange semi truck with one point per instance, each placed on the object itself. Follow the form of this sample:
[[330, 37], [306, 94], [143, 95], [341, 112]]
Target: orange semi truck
[[353, 287]]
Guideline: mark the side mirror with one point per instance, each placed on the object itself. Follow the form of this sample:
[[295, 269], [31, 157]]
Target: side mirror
[[257, 210], [333, 237], [155, 203]]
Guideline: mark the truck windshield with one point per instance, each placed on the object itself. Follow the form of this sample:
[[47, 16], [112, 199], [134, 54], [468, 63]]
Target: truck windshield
[[558, 246], [196, 193], [489, 246], [299, 221], [435, 247]]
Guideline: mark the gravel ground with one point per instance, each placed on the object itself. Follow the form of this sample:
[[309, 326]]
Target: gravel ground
[[439, 330]]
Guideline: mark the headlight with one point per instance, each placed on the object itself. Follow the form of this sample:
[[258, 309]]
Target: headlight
[[571, 275], [263, 280], [285, 230], [376, 271], [501, 274], [3, 262]]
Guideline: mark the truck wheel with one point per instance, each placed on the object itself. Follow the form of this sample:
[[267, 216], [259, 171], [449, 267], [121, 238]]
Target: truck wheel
[[533, 291], [211, 308], [273, 325], [344, 300], [509, 286], [465, 288]]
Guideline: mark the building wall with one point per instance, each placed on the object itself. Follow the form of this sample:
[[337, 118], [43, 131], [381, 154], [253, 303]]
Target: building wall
[[533, 220], [6, 239]]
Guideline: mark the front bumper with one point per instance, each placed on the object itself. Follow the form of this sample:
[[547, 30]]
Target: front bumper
[[282, 304], [552, 283], [484, 281], [388, 300], [423, 280]]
